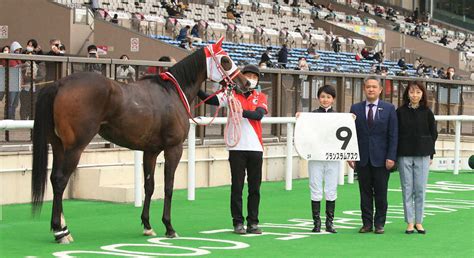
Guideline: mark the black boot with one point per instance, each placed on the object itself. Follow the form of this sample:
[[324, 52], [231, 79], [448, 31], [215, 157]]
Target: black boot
[[330, 206], [316, 208]]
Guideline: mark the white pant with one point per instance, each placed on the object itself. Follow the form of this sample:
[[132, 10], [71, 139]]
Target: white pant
[[329, 170]]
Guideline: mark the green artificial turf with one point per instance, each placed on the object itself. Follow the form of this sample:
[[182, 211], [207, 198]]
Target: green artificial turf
[[449, 223]]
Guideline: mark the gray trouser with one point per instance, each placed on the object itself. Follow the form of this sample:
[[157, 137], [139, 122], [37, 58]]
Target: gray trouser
[[327, 170], [413, 178]]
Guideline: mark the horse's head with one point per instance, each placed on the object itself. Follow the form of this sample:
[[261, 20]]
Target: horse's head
[[221, 68]]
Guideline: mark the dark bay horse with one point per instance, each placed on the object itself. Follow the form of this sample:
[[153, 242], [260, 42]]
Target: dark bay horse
[[147, 115]]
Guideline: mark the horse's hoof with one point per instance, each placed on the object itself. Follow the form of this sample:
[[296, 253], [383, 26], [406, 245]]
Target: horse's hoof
[[171, 235], [70, 238], [149, 232], [63, 240]]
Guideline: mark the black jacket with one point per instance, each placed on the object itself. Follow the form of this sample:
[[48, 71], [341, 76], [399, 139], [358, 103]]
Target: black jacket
[[323, 110], [417, 132]]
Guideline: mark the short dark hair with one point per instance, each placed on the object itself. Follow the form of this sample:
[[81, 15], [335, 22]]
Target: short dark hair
[[33, 42], [164, 59], [328, 89], [421, 86], [91, 47]]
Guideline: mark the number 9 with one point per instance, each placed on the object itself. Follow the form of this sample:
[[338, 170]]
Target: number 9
[[346, 139]]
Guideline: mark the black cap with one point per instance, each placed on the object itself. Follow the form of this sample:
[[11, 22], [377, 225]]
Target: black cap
[[251, 69]]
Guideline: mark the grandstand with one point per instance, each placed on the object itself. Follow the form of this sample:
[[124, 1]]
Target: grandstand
[[264, 23]]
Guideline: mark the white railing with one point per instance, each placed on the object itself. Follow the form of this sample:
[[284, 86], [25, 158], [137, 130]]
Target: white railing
[[289, 121]]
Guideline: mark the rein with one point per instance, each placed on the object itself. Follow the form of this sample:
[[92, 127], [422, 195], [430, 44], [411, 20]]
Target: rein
[[167, 76]]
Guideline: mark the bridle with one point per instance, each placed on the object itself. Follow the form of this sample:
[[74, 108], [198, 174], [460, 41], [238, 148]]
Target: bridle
[[235, 114]]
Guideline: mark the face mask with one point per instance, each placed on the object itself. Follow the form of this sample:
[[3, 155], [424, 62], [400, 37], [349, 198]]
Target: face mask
[[253, 83], [5, 51], [29, 49], [62, 52]]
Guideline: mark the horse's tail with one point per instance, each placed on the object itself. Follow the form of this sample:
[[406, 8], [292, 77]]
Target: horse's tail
[[43, 125]]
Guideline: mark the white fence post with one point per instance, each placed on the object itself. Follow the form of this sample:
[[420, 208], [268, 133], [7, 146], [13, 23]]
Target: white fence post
[[457, 147], [192, 162], [350, 175], [342, 169], [138, 169], [289, 156]]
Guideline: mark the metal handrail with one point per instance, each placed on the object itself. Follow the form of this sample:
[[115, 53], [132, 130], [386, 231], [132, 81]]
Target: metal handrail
[[110, 61]]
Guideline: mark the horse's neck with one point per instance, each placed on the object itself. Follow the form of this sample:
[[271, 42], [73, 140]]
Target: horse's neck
[[191, 89]]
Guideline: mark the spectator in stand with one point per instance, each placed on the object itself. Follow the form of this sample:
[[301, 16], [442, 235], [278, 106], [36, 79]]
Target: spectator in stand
[[418, 62], [444, 40], [311, 49], [33, 48], [265, 60], [232, 12], [6, 49], [435, 72], [125, 73], [451, 105], [30, 76], [366, 9], [283, 56], [402, 64], [93, 53], [365, 53], [379, 57], [114, 19], [15, 48], [303, 64], [53, 69], [55, 44], [416, 14], [11, 63], [441, 72], [358, 56], [195, 34], [158, 70], [183, 33], [336, 45]]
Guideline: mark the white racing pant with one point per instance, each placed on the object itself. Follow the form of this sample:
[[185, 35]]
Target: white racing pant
[[327, 171]]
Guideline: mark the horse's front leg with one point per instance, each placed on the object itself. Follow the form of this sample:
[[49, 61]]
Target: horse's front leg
[[149, 163], [172, 157]]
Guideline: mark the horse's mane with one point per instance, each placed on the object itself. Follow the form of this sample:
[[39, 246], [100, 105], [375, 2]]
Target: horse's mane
[[184, 71]]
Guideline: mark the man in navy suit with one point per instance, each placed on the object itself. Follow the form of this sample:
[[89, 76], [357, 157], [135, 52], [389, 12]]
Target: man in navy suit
[[377, 134]]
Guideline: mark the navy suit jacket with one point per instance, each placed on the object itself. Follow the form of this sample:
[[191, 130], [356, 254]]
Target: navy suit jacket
[[380, 142]]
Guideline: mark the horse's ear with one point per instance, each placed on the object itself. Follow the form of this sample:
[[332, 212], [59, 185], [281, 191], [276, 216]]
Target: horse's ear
[[219, 42]]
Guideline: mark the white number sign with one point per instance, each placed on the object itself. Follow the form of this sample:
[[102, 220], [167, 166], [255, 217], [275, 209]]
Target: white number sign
[[322, 136]]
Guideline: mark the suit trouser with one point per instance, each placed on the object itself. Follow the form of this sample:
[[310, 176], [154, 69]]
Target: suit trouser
[[239, 162], [414, 177], [373, 184], [327, 170]]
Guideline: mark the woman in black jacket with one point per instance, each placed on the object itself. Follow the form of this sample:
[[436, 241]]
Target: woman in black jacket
[[416, 146]]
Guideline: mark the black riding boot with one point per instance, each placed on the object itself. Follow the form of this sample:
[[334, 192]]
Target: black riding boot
[[316, 208], [330, 207]]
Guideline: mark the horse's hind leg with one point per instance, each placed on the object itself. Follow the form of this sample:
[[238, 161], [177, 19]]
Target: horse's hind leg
[[149, 163], [59, 180], [60, 232], [172, 157]]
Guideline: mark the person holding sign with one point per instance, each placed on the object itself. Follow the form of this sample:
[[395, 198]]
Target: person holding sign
[[327, 170], [416, 146], [377, 135]]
